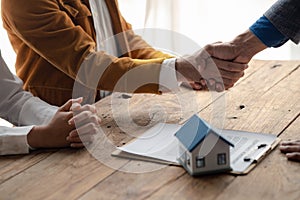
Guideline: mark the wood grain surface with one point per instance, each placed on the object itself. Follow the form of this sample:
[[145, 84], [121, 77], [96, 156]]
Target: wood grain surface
[[265, 100]]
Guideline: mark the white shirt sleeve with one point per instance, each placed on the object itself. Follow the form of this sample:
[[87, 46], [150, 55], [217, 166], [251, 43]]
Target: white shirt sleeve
[[168, 79], [14, 140], [20, 108]]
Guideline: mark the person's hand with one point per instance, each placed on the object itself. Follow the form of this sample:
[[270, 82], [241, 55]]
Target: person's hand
[[240, 50], [202, 71], [61, 130], [291, 149], [86, 122]]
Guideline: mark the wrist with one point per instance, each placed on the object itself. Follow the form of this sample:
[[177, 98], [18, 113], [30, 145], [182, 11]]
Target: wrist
[[34, 137], [248, 45], [177, 68], [180, 68]]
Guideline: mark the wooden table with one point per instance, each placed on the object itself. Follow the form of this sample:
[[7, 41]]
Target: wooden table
[[270, 94]]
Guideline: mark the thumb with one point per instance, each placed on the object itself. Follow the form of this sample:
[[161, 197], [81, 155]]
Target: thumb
[[67, 106], [78, 100], [224, 51]]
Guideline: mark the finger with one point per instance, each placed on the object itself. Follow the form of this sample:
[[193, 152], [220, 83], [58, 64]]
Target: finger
[[220, 87], [224, 51], [235, 76], [85, 117], [68, 104], [192, 85], [230, 66], [216, 74], [290, 149], [187, 85], [76, 103], [293, 156], [89, 128], [81, 138], [226, 84], [75, 133], [77, 145], [293, 142], [211, 83], [88, 107], [228, 79], [77, 100], [80, 132], [75, 106]]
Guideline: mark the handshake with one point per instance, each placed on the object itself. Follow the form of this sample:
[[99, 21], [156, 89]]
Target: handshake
[[220, 65]]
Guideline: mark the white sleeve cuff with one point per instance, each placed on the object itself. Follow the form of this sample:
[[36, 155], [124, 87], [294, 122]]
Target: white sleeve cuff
[[14, 140], [167, 78]]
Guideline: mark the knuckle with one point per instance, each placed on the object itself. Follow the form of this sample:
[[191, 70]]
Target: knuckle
[[94, 119], [91, 108], [208, 48], [69, 115], [86, 114], [92, 126]]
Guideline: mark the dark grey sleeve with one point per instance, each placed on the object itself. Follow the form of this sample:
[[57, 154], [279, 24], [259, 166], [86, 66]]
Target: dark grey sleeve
[[285, 16]]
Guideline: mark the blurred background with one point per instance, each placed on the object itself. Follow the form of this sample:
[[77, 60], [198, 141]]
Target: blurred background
[[204, 21]]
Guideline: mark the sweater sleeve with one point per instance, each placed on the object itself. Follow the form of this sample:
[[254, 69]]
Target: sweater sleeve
[[268, 33], [285, 16]]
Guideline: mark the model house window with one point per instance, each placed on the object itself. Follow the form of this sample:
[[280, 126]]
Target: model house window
[[222, 159], [200, 162], [188, 161]]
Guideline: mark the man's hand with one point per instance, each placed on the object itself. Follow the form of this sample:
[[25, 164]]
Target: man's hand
[[203, 71], [239, 50], [220, 62], [291, 149]]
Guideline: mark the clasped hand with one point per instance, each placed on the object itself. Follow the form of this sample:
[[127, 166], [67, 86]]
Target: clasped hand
[[72, 125], [209, 69]]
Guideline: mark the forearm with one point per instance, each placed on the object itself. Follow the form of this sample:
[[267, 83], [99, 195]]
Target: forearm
[[106, 72]]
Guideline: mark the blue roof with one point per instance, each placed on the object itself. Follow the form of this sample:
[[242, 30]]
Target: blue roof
[[194, 131]]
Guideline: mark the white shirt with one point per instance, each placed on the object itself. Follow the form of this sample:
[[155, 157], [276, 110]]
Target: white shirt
[[104, 33], [21, 109]]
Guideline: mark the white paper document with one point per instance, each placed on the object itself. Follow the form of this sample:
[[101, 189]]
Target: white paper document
[[159, 144]]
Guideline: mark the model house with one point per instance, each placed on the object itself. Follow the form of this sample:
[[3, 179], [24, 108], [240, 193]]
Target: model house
[[202, 149]]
